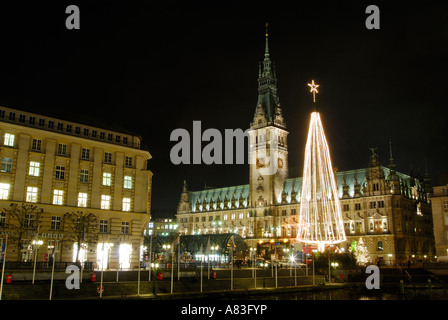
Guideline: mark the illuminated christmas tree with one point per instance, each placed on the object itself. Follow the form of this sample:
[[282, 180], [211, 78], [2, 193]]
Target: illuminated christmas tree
[[320, 218], [361, 253]]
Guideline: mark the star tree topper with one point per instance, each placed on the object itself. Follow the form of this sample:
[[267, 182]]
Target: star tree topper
[[313, 90]]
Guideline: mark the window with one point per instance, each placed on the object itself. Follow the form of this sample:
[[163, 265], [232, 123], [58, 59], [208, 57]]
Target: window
[[102, 135], [60, 126], [107, 157], [445, 204], [4, 191], [32, 120], [104, 226], [12, 116], [117, 138], [37, 145], [2, 219], [62, 149], [85, 154], [68, 128], [107, 179], [60, 172], [84, 176], [357, 206], [6, 165], [55, 223], [22, 118], [50, 124], [31, 194], [346, 207], [94, 133], [125, 140], [105, 202], [381, 204], [34, 169], [82, 199], [9, 140], [379, 246], [2, 114], [126, 204], [125, 227], [372, 204], [86, 132], [127, 182], [58, 196], [41, 122], [29, 220], [128, 162], [77, 130], [109, 136]]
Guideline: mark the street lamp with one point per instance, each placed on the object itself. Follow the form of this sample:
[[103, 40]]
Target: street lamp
[[36, 244]]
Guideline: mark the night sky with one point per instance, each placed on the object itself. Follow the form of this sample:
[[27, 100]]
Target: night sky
[[154, 68]]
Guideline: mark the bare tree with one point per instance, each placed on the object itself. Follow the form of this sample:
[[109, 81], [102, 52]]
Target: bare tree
[[24, 219], [81, 228]]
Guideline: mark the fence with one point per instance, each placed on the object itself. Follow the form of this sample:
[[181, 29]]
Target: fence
[[44, 265]]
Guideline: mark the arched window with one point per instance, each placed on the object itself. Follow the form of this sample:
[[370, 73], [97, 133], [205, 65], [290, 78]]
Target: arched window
[[379, 246]]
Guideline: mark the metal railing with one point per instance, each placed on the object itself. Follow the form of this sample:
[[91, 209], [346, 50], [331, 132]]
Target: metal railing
[[44, 265]]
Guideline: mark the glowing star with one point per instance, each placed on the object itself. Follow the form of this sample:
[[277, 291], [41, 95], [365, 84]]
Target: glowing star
[[320, 218], [313, 90]]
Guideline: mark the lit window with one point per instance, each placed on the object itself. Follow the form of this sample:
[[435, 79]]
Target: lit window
[[60, 172], [55, 223], [82, 199], [6, 165], [31, 194], [34, 168], [58, 196], [4, 191], [126, 204], [127, 182], [105, 202], [107, 178], [9, 139]]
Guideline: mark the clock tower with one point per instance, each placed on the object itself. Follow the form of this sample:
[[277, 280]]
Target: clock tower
[[268, 149]]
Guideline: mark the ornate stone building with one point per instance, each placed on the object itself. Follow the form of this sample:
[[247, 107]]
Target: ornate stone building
[[63, 166], [388, 209]]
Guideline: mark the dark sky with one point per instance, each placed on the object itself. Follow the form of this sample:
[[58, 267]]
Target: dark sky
[[156, 67]]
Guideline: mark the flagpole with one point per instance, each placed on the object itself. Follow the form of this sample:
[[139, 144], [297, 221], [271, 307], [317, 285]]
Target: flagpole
[[231, 270], [150, 255], [3, 267], [102, 270], [202, 258], [35, 254], [172, 267], [52, 269], [138, 284], [178, 259]]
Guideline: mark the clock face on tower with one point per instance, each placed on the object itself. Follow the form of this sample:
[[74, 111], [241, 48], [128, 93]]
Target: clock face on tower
[[260, 163], [280, 163]]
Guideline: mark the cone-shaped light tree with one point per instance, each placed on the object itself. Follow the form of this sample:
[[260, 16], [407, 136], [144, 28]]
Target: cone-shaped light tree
[[320, 219]]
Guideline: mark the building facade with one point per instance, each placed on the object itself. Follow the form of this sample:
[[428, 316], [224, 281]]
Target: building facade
[[62, 166], [388, 209], [439, 203]]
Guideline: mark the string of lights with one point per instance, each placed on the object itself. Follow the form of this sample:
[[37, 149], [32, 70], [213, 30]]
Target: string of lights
[[320, 218]]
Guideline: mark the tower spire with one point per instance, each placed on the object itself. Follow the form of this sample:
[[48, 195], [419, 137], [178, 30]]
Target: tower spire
[[266, 50]]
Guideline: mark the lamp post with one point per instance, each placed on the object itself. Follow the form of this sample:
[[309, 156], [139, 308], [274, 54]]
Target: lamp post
[[36, 245]]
